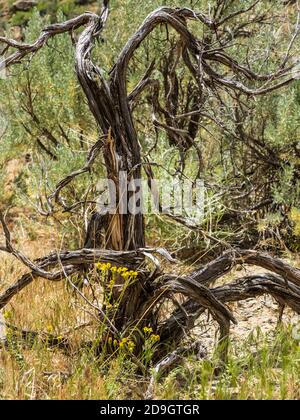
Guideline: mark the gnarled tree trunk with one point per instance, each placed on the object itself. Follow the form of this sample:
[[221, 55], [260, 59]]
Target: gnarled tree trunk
[[140, 303]]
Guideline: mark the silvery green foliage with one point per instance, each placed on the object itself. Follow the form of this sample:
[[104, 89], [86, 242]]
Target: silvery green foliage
[[2, 328], [296, 330]]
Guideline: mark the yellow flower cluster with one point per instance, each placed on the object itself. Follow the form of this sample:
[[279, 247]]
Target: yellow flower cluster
[[111, 284], [112, 342], [103, 266], [124, 343], [131, 346], [148, 330], [49, 329], [7, 315], [123, 271], [154, 337]]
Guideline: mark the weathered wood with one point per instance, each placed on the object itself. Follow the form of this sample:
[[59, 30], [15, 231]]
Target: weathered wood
[[112, 107]]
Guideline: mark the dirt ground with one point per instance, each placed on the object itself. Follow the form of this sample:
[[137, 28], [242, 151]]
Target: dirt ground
[[258, 313]]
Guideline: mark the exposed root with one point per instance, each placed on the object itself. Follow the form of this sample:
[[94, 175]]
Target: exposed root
[[282, 285], [29, 338], [170, 361]]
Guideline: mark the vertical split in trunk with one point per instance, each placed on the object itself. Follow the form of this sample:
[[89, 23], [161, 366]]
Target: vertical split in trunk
[[124, 229], [109, 104]]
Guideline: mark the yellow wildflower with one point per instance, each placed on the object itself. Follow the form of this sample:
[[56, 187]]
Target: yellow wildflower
[[133, 274], [125, 276], [49, 328], [148, 330], [111, 284], [123, 342], [155, 337], [103, 266], [131, 346], [7, 315]]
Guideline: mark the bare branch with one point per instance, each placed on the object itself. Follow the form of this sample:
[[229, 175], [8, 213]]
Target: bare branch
[[93, 154], [237, 13], [47, 33]]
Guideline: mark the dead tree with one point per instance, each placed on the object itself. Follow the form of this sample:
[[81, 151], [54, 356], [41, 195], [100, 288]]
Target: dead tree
[[112, 107]]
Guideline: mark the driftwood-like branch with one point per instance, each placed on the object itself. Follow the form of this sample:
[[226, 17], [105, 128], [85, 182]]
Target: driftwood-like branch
[[170, 361], [70, 262], [35, 269], [283, 286], [48, 32], [204, 297], [29, 338], [231, 258], [286, 293], [112, 107]]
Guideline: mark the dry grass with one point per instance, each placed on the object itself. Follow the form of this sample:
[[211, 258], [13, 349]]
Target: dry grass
[[262, 366]]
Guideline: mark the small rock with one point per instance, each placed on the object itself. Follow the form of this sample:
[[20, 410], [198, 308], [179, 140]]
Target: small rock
[[17, 33], [23, 6]]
